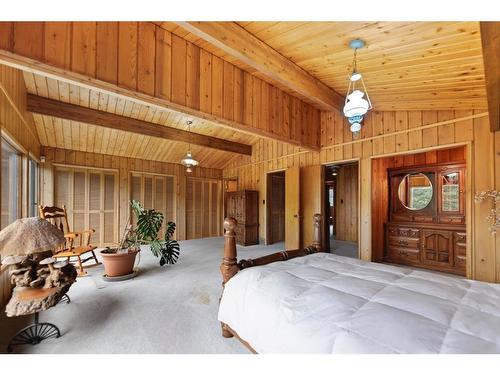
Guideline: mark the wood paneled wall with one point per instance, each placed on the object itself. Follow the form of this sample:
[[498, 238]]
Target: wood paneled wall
[[380, 186], [346, 217], [124, 166], [18, 125], [14, 118], [389, 133], [143, 57]]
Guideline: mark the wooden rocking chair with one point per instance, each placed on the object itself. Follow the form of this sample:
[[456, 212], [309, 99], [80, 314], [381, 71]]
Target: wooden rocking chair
[[58, 217]]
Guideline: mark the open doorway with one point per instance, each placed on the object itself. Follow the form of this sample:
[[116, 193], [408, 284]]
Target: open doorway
[[341, 209], [275, 207]]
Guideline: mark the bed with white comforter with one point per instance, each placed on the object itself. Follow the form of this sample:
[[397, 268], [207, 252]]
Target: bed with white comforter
[[323, 303]]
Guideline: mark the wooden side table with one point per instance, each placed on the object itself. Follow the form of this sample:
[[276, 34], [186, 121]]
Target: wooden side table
[[36, 332]]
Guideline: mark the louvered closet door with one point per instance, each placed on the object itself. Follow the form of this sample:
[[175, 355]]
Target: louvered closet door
[[90, 198], [155, 191], [203, 208]]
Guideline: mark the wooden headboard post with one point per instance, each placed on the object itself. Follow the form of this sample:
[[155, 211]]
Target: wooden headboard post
[[229, 267]]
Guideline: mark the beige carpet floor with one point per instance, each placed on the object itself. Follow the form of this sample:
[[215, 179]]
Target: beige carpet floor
[[170, 309]]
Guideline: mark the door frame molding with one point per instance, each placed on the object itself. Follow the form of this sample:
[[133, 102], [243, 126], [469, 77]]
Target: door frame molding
[[340, 162]]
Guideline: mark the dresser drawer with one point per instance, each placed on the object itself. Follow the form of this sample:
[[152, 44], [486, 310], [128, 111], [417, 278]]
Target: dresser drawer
[[423, 219], [397, 217], [404, 255], [451, 219], [403, 232], [404, 242]]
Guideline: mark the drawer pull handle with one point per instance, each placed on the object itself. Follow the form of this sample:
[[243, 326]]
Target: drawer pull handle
[[402, 242]]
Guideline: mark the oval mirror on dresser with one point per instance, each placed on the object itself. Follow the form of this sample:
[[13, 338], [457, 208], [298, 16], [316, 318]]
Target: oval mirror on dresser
[[415, 191]]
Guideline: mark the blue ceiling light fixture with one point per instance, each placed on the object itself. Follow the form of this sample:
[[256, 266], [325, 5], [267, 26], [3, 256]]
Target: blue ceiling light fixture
[[356, 106]]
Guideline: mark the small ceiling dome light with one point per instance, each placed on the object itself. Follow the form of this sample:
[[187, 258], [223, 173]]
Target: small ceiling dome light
[[188, 161], [356, 106]]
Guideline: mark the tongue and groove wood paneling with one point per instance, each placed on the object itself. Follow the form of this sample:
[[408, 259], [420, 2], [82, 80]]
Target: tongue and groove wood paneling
[[61, 133], [125, 169], [406, 65], [409, 136], [14, 118], [143, 57]]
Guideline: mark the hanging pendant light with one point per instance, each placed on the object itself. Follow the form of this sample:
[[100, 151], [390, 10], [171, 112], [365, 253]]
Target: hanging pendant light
[[356, 106], [189, 161]]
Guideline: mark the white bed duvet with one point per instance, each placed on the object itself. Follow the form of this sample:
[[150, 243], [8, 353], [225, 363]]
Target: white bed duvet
[[323, 303]]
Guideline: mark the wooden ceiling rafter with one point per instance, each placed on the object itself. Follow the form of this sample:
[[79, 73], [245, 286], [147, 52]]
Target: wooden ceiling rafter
[[237, 42], [401, 58], [177, 98], [72, 112], [66, 134], [490, 39]]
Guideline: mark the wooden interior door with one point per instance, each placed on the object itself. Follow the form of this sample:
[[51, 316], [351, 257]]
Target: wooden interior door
[[292, 208], [346, 204], [311, 193], [275, 207]]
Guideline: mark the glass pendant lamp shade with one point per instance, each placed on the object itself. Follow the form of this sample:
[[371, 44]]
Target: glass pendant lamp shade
[[355, 104], [188, 160]]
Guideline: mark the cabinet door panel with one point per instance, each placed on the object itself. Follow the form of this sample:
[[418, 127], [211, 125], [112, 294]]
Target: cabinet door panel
[[437, 247]]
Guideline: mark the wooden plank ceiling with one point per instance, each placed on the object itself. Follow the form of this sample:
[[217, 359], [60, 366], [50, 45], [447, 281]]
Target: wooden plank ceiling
[[56, 132], [406, 65]]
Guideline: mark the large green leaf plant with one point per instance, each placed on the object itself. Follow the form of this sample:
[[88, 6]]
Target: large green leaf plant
[[149, 223]]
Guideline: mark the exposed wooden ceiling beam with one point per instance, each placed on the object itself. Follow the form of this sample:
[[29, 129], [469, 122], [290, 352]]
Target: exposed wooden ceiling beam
[[36, 67], [239, 43], [67, 111], [490, 39]]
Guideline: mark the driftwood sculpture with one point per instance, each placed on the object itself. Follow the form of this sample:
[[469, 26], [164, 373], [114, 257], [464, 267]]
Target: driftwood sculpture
[[230, 266], [28, 276]]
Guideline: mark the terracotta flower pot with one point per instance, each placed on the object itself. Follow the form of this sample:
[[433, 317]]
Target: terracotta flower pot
[[118, 264]]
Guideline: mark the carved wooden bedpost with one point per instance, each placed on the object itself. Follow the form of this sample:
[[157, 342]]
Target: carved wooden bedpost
[[317, 232], [228, 268]]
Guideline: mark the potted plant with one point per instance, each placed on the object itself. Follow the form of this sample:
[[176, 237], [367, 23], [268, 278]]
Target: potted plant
[[120, 261]]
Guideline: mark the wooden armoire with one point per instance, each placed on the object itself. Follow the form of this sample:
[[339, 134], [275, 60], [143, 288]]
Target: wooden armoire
[[244, 207], [426, 226]]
